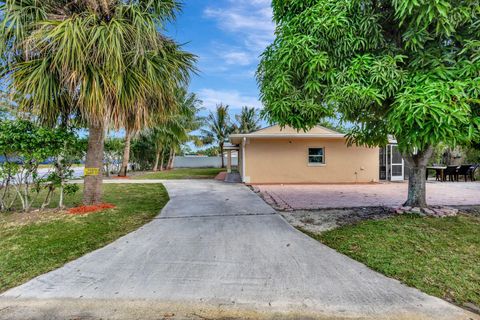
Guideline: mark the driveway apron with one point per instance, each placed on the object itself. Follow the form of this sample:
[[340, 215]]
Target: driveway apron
[[219, 247]]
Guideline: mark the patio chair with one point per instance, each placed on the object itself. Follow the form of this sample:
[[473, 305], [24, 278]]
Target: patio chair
[[472, 171], [452, 173], [463, 170]]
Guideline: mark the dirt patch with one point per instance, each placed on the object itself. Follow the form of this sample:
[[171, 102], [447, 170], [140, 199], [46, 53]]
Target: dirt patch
[[326, 219], [34, 216], [317, 221], [471, 210]]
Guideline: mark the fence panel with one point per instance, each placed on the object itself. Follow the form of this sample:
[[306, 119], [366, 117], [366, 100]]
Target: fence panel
[[201, 162]]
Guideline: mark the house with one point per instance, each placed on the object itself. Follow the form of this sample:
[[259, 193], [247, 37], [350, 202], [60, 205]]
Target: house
[[320, 155]]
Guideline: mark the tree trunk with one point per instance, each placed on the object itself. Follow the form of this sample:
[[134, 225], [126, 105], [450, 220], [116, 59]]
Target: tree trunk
[[173, 159], [221, 155], [60, 201], [416, 187], [167, 167], [126, 155], [170, 159], [157, 158], [107, 168], [92, 191], [162, 157], [417, 177]]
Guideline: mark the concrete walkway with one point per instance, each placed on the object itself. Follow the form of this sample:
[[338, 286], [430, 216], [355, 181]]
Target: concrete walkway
[[218, 251]]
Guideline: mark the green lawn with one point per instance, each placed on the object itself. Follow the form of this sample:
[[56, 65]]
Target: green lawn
[[182, 173], [52, 239], [438, 256]]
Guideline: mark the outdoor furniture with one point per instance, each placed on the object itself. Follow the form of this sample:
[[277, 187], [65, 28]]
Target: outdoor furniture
[[472, 170], [451, 172], [464, 170], [439, 172]]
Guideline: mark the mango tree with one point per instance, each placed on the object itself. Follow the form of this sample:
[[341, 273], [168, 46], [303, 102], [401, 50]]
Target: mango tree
[[405, 68]]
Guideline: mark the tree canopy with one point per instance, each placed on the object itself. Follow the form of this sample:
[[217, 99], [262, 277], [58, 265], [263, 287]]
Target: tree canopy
[[95, 59], [403, 67], [218, 126], [104, 62], [247, 121]]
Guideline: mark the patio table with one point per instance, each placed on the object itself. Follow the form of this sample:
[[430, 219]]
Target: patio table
[[437, 168]]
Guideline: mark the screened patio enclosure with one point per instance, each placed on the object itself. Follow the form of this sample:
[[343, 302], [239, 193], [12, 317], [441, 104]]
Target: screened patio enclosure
[[392, 165]]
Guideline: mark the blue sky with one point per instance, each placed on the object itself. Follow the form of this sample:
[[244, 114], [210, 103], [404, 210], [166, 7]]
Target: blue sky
[[227, 36]]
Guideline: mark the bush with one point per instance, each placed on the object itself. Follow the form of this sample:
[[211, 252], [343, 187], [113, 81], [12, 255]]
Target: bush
[[24, 146]]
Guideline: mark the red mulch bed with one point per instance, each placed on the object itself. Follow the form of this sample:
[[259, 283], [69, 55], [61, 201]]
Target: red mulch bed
[[90, 209]]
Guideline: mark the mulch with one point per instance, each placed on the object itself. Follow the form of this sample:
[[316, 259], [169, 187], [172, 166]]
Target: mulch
[[91, 208], [221, 176]]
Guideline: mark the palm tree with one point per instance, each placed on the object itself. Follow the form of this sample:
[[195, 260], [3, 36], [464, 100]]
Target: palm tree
[[126, 153], [164, 137], [182, 103], [247, 121], [102, 61], [4, 105], [218, 127], [174, 128]]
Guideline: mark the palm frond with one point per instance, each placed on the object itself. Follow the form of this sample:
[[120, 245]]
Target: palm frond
[[107, 59]]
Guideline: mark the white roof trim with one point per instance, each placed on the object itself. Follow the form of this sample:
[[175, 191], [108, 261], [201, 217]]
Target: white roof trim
[[288, 135], [231, 147]]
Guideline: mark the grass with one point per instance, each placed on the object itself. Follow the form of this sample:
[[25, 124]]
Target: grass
[[438, 256], [30, 249], [50, 166], [182, 173]]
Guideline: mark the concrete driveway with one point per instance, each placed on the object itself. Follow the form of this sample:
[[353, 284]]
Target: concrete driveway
[[218, 251], [298, 197]]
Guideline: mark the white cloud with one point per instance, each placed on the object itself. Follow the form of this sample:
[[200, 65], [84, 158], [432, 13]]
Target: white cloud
[[233, 98], [236, 18], [249, 20], [236, 57]]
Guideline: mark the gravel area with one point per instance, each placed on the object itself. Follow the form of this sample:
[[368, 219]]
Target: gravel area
[[317, 221]]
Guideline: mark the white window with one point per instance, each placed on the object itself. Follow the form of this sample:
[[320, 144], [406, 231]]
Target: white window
[[316, 156]]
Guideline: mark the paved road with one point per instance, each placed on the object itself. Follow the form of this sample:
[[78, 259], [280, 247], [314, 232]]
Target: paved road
[[218, 251]]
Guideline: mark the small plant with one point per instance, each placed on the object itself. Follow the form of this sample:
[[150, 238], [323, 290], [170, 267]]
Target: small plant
[[25, 146]]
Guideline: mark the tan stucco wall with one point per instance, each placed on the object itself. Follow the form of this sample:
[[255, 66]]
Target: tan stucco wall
[[286, 161]]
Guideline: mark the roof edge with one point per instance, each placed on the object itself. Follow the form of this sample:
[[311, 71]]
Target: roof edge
[[298, 131], [287, 135]]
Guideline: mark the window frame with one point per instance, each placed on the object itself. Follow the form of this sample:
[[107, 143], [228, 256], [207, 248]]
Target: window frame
[[316, 164]]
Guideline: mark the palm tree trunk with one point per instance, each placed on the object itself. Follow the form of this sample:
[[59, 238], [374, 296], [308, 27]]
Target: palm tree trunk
[[417, 178], [92, 191], [170, 159], [157, 158], [221, 155], [173, 159], [126, 155], [162, 157]]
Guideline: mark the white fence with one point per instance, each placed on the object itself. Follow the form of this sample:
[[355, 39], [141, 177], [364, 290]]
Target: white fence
[[201, 162]]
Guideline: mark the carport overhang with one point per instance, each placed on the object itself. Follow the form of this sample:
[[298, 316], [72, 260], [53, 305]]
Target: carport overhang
[[229, 148]]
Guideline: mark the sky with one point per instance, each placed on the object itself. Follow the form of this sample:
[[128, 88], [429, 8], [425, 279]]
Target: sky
[[228, 37]]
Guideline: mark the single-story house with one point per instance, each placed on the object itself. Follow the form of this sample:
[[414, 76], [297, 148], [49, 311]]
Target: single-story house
[[320, 155]]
